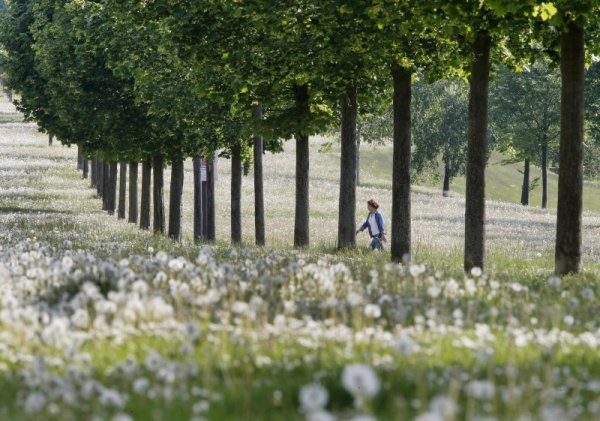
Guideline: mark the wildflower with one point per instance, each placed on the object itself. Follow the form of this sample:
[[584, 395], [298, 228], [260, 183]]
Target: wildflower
[[161, 257], [416, 270], [153, 361], [34, 402], [240, 307], [140, 384], [354, 299], [360, 380], [569, 320], [176, 265], [476, 272], [201, 406], [405, 345], [320, 416], [554, 281], [429, 416], [481, 389], [434, 291], [443, 406], [277, 397], [588, 293], [313, 397], [372, 311], [192, 331], [80, 318], [67, 263], [111, 397]]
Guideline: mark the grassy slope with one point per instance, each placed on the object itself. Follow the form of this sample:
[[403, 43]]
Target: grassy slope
[[503, 182]]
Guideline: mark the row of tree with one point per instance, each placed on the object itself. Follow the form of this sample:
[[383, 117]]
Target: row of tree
[[156, 82], [524, 125]]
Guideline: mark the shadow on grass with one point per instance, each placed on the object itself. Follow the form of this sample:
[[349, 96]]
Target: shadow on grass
[[18, 209]]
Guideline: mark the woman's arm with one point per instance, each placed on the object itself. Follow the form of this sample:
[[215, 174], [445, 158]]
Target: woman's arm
[[363, 226], [379, 220]]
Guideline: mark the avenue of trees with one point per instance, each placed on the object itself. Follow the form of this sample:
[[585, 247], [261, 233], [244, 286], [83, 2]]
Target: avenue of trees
[[155, 83]]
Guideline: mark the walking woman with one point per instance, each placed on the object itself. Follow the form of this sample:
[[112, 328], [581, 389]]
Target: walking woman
[[375, 225]]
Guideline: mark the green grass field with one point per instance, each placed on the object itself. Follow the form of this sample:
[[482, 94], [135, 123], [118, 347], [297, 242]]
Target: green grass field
[[99, 320]]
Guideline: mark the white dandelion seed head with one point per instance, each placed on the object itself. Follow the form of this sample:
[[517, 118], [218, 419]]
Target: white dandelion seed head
[[372, 311], [476, 272], [360, 380], [554, 281], [313, 397]]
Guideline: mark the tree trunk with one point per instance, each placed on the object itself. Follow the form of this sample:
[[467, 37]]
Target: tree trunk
[[246, 167], [198, 232], [158, 195], [475, 191], [446, 186], [347, 200], [122, 190], [259, 201], [358, 155], [401, 210], [93, 177], [567, 257], [100, 178], [79, 158], [525, 187], [105, 184], [236, 194], [145, 205], [50, 139], [211, 231], [175, 199], [86, 168], [301, 220], [133, 192], [112, 188], [544, 176]]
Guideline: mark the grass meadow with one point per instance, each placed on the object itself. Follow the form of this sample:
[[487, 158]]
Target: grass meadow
[[101, 321]]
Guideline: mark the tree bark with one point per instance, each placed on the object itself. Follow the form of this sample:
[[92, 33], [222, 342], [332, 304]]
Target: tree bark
[[100, 178], [357, 155], [175, 199], [477, 129], [145, 205], [133, 192], [570, 179], [198, 232], [446, 186], [94, 173], [525, 187], [246, 167], [211, 232], [301, 219], [544, 176], [401, 209], [105, 184], [347, 198], [236, 194], [79, 158], [50, 139], [158, 194], [122, 190], [259, 200], [112, 188], [86, 168]]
